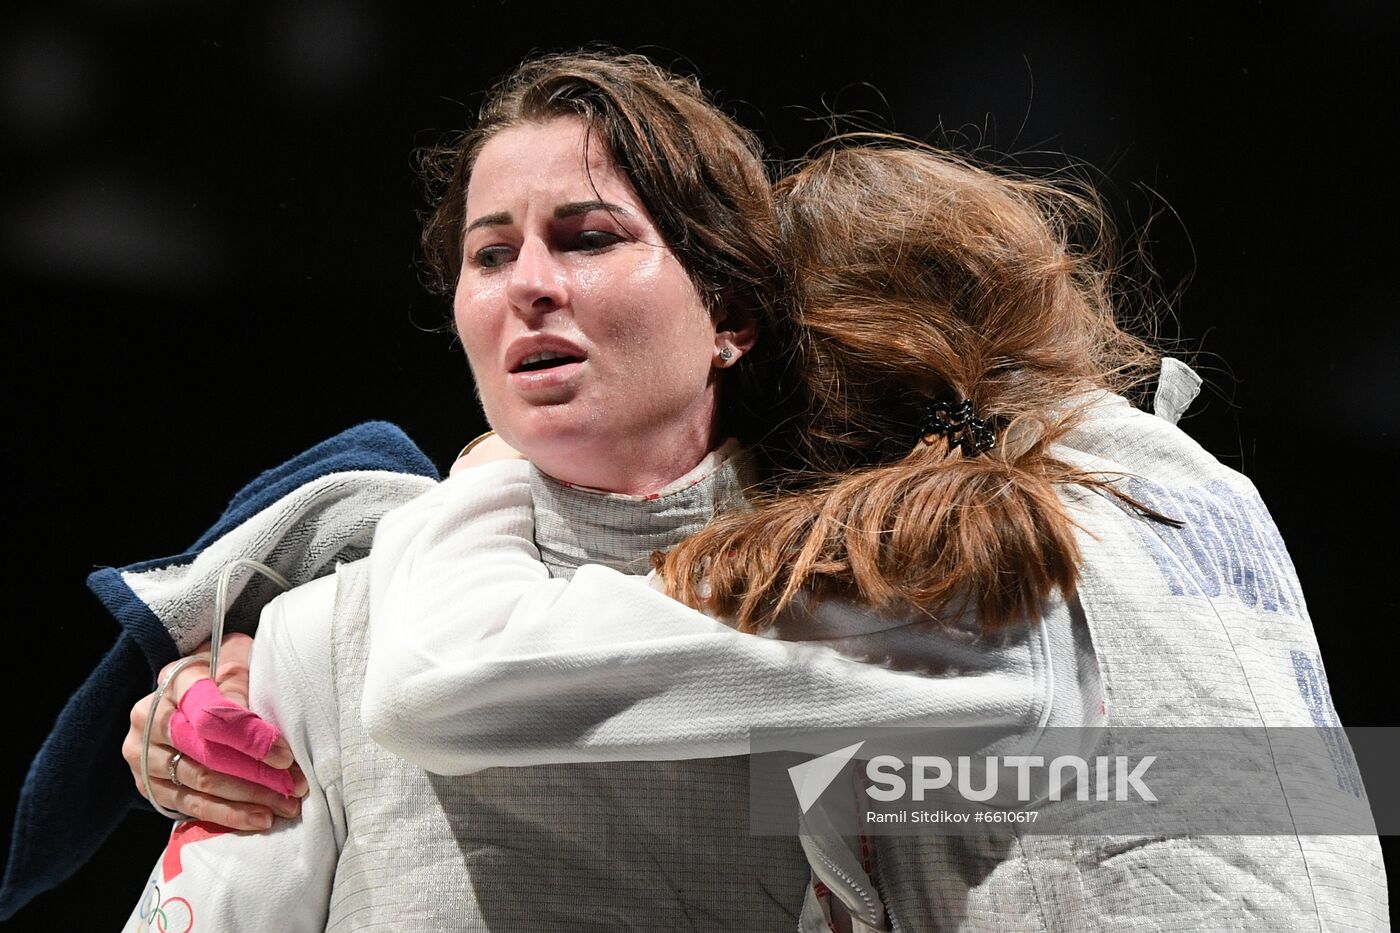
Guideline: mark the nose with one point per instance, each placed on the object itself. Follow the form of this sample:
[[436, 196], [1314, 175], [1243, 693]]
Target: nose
[[538, 281]]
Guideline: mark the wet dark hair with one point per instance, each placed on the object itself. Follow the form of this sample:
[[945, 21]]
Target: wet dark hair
[[699, 174]]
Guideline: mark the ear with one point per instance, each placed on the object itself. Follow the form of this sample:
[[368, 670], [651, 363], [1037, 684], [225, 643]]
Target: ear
[[737, 330]]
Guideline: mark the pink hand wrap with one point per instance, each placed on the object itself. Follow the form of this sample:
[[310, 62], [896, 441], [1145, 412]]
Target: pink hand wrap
[[219, 734]]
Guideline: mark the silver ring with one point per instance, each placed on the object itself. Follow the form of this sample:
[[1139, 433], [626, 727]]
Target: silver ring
[[175, 763]]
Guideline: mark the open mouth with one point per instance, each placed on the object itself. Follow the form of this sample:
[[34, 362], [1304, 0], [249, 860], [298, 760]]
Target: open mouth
[[546, 360]]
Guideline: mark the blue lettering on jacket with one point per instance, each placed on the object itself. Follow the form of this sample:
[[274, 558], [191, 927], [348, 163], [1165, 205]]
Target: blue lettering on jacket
[[1317, 696], [1312, 684], [1229, 545]]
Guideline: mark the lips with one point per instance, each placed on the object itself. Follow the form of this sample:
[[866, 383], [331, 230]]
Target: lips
[[543, 368], [541, 352]]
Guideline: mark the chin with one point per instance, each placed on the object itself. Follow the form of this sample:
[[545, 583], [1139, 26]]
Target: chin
[[548, 441]]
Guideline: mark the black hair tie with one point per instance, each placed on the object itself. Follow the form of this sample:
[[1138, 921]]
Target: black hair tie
[[960, 424]]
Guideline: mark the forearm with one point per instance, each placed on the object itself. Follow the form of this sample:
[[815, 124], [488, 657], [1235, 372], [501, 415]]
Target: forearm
[[478, 659]]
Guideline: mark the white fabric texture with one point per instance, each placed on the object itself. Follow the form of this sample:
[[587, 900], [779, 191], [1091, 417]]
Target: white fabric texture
[[576, 526], [479, 659], [1177, 387], [302, 536]]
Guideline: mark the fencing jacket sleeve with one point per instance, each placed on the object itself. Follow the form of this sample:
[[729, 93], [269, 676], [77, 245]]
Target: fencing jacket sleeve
[[479, 659]]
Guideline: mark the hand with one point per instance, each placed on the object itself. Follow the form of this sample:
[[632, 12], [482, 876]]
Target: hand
[[203, 793], [488, 449]]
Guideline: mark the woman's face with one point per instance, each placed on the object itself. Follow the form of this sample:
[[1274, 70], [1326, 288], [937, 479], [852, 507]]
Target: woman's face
[[561, 260]]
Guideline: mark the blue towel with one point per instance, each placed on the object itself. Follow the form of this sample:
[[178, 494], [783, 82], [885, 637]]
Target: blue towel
[[78, 788]]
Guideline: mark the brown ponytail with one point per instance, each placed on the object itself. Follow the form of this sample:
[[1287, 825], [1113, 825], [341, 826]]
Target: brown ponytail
[[921, 277]]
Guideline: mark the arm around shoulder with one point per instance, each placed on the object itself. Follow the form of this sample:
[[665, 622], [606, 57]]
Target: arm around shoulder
[[478, 659]]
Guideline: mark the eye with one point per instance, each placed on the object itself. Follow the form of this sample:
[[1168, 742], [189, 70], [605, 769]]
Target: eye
[[594, 240], [489, 257]]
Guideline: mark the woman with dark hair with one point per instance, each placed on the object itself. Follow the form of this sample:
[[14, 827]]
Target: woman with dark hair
[[618, 299]]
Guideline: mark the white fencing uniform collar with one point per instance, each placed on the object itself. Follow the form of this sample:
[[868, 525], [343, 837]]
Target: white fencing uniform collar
[[575, 525]]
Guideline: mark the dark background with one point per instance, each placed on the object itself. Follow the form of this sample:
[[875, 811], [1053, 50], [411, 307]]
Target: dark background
[[209, 242]]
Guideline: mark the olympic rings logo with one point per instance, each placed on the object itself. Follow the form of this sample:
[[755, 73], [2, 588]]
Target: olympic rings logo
[[173, 915]]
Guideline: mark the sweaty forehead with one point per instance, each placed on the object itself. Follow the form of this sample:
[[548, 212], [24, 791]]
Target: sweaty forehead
[[544, 162]]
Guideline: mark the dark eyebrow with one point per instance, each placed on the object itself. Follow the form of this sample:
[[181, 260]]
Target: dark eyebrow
[[584, 207], [489, 220], [573, 209]]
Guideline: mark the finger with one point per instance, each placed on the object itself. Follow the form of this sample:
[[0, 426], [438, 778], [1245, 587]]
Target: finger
[[217, 720], [280, 755], [165, 671], [131, 753], [235, 688], [300, 786], [175, 690], [224, 787], [134, 742], [160, 725], [232, 678], [139, 711], [222, 758], [188, 674], [201, 806]]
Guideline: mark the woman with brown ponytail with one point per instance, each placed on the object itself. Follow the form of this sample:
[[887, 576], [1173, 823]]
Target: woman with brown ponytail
[[924, 281], [967, 502]]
